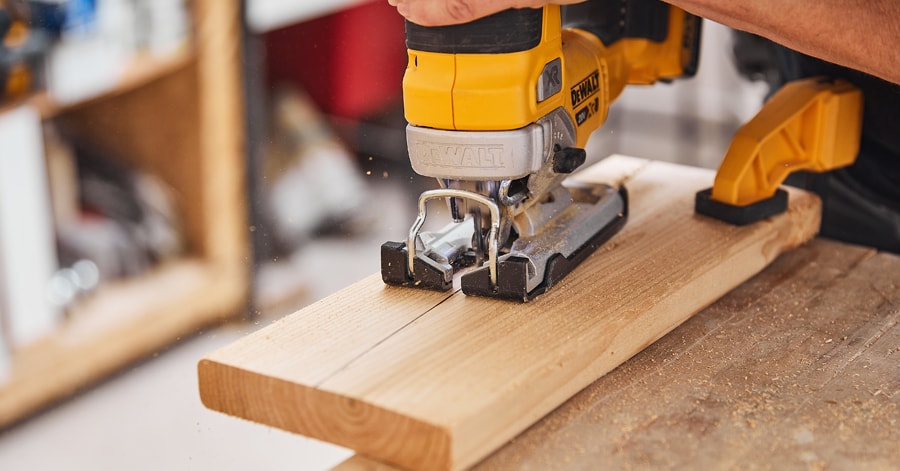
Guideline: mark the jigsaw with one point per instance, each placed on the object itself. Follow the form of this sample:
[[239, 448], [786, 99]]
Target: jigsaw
[[500, 111]]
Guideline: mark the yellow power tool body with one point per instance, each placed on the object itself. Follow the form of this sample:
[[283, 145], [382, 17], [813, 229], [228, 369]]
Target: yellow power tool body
[[499, 112]]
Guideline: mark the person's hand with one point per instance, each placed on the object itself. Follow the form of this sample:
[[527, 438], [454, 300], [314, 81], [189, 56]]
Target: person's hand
[[448, 12], [862, 36]]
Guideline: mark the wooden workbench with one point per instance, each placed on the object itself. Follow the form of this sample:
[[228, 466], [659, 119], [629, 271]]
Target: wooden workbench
[[798, 368], [430, 380]]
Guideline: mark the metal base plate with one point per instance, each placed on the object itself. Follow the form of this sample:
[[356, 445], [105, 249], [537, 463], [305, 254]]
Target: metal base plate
[[512, 271]]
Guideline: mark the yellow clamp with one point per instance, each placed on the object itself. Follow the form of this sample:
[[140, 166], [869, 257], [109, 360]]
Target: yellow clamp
[[811, 124]]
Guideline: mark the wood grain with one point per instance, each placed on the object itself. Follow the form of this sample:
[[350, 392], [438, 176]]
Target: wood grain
[[799, 368], [438, 381]]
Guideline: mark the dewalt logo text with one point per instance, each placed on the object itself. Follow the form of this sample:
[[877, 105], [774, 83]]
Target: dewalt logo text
[[585, 88], [460, 155]]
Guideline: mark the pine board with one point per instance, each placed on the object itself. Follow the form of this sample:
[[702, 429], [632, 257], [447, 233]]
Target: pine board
[[430, 380], [797, 369]]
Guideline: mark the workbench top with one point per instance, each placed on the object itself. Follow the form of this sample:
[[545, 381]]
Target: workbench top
[[798, 368], [789, 367]]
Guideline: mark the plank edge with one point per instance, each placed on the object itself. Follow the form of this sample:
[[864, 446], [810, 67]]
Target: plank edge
[[369, 429]]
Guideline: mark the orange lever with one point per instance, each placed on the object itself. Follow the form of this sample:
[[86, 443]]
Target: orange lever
[[812, 124]]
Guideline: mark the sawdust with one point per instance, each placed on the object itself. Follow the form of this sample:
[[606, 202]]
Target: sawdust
[[763, 364]]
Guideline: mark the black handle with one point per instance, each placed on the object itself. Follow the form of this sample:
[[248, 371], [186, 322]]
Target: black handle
[[504, 32], [612, 20]]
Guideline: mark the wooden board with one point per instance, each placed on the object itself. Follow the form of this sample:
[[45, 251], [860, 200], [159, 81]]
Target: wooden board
[[431, 380], [798, 368]]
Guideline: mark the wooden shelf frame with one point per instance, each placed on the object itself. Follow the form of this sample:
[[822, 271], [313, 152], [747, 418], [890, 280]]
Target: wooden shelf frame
[[143, 69], [182, 120]]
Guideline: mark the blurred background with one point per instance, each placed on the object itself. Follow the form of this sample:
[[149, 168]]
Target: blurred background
[[175, 174]]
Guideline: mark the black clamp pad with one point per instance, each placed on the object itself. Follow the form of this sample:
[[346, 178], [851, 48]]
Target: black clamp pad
[[393, 264], [740, 215], [393, 270]]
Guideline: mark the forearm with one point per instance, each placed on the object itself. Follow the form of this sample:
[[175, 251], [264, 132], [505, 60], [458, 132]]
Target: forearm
[[861, 34], [444, 12]]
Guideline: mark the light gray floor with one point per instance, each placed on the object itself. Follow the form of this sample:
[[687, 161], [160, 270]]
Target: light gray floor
[[150, 416]]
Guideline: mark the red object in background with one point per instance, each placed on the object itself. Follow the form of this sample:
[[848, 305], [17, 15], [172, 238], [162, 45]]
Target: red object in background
[[351, 63]]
